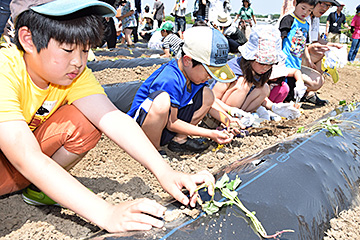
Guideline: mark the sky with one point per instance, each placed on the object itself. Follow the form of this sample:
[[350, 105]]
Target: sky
[[262, 7]]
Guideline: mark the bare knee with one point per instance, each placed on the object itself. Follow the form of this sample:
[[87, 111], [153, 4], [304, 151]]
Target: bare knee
[[208, 97], [160, 105]]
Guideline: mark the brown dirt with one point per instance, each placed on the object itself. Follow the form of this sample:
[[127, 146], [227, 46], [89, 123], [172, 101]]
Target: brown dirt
[[116, 177]]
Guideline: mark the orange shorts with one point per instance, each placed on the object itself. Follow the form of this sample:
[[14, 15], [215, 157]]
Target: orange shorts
[[67, 127]]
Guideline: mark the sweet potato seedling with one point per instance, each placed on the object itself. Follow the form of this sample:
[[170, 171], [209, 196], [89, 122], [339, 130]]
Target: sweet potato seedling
[[228, 191]]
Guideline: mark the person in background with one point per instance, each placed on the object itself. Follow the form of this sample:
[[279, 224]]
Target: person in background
[[294, 32], [253, 69], [159, 12], [175, 98], [171, 42], [201, 7], [333, 24], [149, 28], [355, 29], [179, 12], [233, 34], [318, 46], [64, 115], [246, 13], [128, 20], [146, 11], [137, 15], [4, 14]]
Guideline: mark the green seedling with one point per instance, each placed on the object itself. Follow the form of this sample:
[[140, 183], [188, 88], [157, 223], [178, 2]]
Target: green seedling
[[300, 130], [350, 106], [330, 124], [228, 191]]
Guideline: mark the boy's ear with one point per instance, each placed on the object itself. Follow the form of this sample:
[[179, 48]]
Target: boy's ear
[[25, 39], [187, 60]]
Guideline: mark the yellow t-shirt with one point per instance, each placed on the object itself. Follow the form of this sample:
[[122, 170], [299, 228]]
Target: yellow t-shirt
[[21, 99]]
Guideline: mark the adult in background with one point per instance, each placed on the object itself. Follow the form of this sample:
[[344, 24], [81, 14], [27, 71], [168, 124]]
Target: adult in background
[[179, 12], [110, 35], [318, 46], [128, 20], [159, 12], [355, 29], [4, 14], [246, 13], [333, 24], [137, 15], [149, 28], [201, 7], [233, 34]]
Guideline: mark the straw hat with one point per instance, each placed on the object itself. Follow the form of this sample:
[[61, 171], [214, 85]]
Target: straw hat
[[223, 20]]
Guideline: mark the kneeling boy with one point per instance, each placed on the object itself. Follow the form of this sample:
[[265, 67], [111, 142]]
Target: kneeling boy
[[175, 98]]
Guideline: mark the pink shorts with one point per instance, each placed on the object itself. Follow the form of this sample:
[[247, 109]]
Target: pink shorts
[[67, 127], [279, 93]]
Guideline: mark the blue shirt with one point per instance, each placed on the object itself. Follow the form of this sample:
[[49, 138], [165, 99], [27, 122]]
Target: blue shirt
[[295, 32], [170, 79]]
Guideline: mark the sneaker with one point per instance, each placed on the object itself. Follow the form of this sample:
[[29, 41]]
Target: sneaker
[[315, 100], [33, 196], [191, 145], [331, 72]]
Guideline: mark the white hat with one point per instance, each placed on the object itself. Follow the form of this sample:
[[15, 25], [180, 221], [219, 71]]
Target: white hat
[[223, 20], [211, 48], [148, 15], [264, 45]]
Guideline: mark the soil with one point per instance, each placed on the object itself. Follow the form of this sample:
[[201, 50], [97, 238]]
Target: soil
[[116, 177]]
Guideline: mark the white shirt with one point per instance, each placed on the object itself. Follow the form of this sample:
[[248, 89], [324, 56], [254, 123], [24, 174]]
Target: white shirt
[[314, 28]]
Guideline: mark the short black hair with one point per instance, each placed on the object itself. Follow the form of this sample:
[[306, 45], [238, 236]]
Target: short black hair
[[194, 62], [80, 28], [310, 2]]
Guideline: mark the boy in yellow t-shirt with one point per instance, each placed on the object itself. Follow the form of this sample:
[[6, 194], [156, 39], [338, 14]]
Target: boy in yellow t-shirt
[[52, 111]]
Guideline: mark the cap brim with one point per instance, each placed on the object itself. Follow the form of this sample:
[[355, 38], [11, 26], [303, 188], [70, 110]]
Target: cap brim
[[221, 74], [66, 7]]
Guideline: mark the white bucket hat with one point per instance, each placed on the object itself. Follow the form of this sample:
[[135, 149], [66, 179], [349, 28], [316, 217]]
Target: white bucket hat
[[264, 45]]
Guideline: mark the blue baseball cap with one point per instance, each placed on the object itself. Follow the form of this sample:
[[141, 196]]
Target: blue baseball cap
[[209, 47], [60, 7]]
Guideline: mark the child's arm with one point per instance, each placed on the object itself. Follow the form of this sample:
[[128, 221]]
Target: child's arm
[[23, 151], [127, 134], [166, 53], [300, 88], [182, 127]]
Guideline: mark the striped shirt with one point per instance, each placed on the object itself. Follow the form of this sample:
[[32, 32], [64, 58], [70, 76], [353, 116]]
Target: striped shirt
[[172, 42]]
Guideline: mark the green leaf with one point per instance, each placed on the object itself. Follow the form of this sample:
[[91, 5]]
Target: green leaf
[[222, 181], [227, 193], [342, 102], [300, 130], [210, 207], [234, 183]]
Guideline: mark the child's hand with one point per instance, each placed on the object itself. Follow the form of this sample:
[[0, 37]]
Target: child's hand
[[173, 182], [140, 214], [222, 137]]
